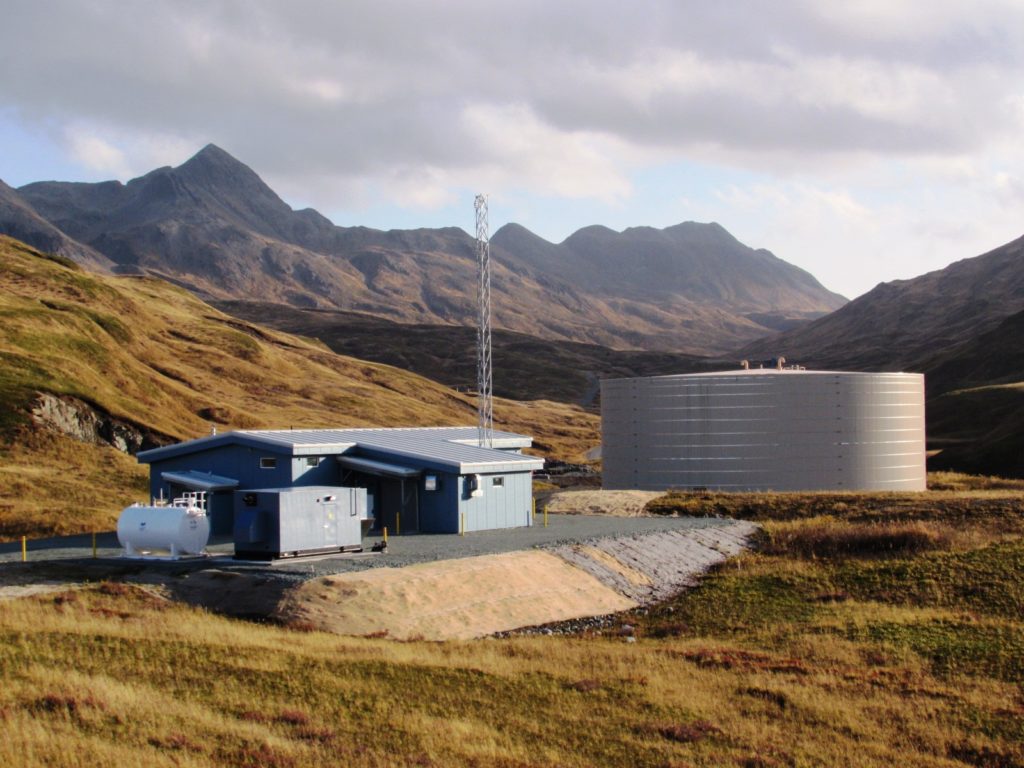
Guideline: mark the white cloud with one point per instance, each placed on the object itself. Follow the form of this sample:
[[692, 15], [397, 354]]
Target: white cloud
[[94, 153], [849, 117], [521, 150], [321, 89], [1009, 187], [420, 188], [112, 152]]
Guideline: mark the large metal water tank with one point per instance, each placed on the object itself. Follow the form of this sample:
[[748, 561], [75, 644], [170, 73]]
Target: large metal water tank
[[785, 430], [179, 528]]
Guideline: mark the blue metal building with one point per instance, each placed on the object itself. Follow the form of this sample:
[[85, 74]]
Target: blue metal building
[[435, 479]]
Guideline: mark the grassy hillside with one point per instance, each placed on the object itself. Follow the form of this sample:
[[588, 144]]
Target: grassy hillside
[[855, 637], [141, 352], [525, 367], [994, 357], [904, 324], [979, 430], [213, 225]]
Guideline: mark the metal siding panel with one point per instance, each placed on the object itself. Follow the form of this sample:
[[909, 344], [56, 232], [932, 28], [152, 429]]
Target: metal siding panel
[[760, 430], [498, 507], [326, 473], [439, 510], [524, 499]]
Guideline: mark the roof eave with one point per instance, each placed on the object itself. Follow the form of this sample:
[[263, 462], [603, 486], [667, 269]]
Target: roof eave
[[499, 442], [480, 467]]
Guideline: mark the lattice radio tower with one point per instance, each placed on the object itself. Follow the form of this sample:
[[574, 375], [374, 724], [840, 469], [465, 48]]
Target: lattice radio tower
[[485, 400]]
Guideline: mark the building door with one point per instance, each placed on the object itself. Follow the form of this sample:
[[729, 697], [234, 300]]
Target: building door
[[398, 505], [220, 507], [410, 505]]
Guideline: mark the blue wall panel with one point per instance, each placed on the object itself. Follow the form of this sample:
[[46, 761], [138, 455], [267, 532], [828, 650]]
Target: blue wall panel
[[505, 506]]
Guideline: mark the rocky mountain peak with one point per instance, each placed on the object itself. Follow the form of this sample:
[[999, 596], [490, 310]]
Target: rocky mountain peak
[[212, 165], [212, 224]]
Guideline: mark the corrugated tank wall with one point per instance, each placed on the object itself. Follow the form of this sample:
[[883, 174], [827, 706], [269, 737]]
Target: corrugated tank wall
[[765, 430]]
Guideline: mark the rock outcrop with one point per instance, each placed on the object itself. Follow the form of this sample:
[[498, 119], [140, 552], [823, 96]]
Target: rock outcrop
[[82, 421]]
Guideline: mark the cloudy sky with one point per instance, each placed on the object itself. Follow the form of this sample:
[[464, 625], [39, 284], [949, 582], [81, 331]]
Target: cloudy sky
[[863, 141]]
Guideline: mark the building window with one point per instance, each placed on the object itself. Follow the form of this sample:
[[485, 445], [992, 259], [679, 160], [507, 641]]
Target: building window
[[268, 462], [430, 483], [312, 461], [498, 482]]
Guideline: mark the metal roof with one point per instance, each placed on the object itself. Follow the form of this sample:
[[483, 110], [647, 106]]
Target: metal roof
[[755, 372], [372, 467], [450, 447], [200, 481]]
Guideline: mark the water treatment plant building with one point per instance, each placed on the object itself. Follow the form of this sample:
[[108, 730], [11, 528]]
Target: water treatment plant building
[[765, 429], [433, 479]]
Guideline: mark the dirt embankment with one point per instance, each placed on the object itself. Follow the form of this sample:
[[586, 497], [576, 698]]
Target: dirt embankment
[[597, 502], [479, 596], [451, 599]]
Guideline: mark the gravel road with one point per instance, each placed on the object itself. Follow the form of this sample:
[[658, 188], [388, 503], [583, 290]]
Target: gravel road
[[74, 553]]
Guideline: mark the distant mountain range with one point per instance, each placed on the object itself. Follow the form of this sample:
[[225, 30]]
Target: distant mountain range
[[976, 405], [213, 226]]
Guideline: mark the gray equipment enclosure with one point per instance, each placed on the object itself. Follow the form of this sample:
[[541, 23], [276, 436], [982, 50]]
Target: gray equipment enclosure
[[272, 523]]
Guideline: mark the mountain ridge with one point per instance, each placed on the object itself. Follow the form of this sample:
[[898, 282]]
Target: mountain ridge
[[213, 225], [907, 323], [19, 220]]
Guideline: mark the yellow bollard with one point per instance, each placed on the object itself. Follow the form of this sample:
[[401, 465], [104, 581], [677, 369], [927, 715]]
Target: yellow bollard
[[385, 534], [94, 545], [533, 511], [462, 524], [398, 523], [545, 515], [24, 548]]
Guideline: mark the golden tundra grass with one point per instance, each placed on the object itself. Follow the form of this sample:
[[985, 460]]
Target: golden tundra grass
[[111, 676], [903, 646], [154, 355]]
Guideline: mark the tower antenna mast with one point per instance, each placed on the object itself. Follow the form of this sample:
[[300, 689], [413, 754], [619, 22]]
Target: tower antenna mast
[[485, 400]]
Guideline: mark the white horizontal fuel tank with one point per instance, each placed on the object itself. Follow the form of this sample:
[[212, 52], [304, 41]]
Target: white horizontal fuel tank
[[180, 528]]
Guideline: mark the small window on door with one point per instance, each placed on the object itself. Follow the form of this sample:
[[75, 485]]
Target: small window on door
[[498, 482], [312, 461], [268, 462]]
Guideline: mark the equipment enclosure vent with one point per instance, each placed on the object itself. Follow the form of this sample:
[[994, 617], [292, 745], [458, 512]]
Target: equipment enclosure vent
[[788, 430]]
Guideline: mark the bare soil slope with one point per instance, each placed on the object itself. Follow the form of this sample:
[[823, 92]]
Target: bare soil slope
[[452, 599], [479, 596], [595, 502]]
